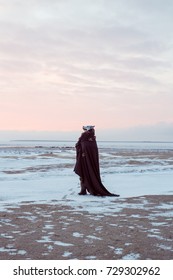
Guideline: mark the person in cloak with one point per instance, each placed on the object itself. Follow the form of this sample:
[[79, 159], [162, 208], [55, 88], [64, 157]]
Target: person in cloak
[[87, 164]]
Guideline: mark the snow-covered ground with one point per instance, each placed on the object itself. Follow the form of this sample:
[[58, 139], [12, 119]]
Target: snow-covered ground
[[35, 174], [43, 172]]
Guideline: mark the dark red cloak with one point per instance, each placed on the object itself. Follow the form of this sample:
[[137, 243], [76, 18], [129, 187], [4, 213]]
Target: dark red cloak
[[87, 164]]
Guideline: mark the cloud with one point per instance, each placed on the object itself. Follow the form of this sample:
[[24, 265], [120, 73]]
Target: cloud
[[113, 57], [157, 132]]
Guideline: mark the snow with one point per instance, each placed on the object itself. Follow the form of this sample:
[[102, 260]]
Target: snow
[[64, 190], [44, 174]]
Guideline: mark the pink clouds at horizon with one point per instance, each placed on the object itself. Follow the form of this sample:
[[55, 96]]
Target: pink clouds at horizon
[[66, 63]]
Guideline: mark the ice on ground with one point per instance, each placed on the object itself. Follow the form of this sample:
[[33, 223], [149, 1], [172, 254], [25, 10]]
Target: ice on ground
[[59, 243], [64, 190], [131, 256]]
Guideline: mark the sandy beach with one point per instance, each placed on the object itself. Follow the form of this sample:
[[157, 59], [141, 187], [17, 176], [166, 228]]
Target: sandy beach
[[141, 230]]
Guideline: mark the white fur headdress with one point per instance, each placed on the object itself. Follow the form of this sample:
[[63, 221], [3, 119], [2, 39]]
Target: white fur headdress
[[88, 127]]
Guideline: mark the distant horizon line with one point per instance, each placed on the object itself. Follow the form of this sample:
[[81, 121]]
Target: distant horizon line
[[122, 141]]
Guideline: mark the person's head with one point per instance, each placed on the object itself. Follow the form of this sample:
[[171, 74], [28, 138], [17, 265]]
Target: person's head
[[88, 127]]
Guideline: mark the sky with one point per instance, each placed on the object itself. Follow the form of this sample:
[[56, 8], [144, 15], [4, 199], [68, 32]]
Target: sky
[[68, 63]]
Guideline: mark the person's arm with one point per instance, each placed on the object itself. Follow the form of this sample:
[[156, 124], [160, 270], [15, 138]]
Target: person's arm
[[78, 144]]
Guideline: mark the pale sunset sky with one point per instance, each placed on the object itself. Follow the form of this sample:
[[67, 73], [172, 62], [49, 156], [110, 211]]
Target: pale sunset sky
[[68, 63]]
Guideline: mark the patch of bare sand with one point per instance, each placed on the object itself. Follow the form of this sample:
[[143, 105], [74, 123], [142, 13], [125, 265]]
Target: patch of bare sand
[[54, 231]]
